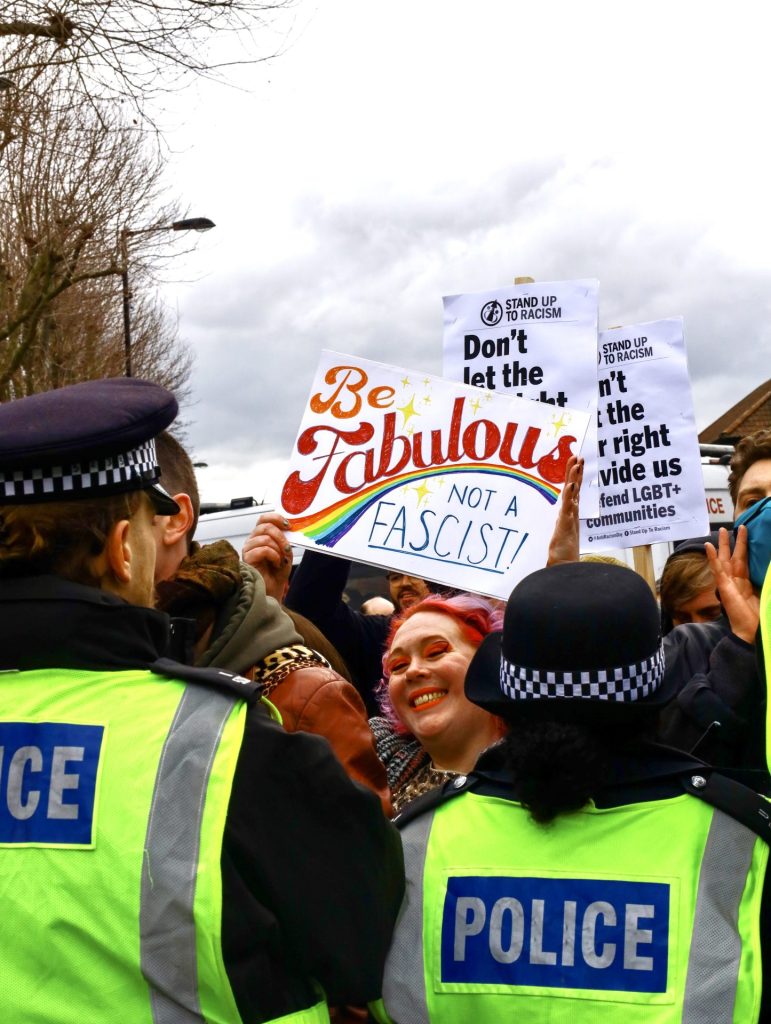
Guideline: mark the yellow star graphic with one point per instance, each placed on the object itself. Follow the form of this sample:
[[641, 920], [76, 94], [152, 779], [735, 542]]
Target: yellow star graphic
[[408, 410], [422, 492], [560, 423], [489, 396], [405, 382], [441, 482], [427, 400], [475, 405], [426, 382]]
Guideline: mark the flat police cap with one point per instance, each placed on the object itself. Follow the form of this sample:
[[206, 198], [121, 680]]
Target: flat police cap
[[85, 441]]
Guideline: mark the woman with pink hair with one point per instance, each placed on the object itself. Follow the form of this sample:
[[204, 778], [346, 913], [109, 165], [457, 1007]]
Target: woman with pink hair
[[429, 731]]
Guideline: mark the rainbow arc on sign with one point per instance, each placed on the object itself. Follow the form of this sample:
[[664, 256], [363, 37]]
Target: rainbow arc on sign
[[327, 526]]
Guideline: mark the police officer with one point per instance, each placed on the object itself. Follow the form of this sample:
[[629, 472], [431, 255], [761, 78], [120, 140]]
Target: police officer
[[168, 853], [581, 873]]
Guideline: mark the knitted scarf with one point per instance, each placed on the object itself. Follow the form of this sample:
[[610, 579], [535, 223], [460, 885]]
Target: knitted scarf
[[402, 756]]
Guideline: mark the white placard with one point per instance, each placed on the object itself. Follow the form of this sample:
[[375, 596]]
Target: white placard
[[536, 341], [651, 484], [427, 476]]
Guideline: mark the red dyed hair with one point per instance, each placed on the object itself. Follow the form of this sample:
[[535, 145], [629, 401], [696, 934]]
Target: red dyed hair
[[475, 616]]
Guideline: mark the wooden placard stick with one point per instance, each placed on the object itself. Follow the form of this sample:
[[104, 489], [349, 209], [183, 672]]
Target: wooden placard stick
[[643, 564]]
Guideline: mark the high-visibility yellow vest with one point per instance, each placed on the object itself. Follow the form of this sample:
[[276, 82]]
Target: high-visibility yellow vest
[[765, 632], [646, 913], [114, 787]]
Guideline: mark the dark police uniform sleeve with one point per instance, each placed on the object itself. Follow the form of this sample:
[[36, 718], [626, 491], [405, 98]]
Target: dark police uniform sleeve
[[313, 876]]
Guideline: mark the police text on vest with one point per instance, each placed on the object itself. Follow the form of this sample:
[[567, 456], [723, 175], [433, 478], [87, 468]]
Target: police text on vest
[[576, 933], [48, 775]]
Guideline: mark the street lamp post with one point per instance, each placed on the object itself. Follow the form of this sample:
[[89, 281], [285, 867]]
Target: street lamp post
[[189, 224]]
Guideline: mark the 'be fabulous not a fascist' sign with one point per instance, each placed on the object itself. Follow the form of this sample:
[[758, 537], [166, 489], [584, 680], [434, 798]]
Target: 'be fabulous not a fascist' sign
[[426, 476], [651, 484], [536, 341]]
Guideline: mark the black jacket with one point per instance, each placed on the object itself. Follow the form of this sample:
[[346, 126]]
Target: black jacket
[[717, 682], [316, 591], [312, 873]]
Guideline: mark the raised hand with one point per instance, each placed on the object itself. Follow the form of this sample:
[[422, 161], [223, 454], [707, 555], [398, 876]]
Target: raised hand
[[268, 551], [732, 579], [563, 546]]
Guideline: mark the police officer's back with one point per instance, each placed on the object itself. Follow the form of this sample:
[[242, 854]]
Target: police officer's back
[[167, 852], [581, 872]]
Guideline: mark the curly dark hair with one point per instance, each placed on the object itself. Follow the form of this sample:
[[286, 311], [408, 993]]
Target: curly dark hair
[[750, 449], [559, 766]]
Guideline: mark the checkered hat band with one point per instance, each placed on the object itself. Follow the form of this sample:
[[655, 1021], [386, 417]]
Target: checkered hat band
[[628, 683], [109, 474]]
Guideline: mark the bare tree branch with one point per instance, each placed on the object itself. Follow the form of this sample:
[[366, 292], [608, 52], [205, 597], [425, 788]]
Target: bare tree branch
[[128, 49], [59, 29], [72, 177]]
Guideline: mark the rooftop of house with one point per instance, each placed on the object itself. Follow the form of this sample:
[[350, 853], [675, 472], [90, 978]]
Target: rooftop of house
[[752, 413]]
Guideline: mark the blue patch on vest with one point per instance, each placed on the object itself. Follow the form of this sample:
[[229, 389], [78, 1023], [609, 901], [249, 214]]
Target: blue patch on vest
[[556, 932], [48, 773]]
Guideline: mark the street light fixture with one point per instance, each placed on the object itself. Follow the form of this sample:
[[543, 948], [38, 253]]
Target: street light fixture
[[188, 224], [193, 224]]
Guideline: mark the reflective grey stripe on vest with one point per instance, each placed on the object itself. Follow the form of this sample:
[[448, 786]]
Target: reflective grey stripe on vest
[[713, 964], [404, 986], [166, 923]]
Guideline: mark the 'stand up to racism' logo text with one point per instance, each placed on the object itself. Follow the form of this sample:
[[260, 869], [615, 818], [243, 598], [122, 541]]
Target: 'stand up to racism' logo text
[[491, 313]]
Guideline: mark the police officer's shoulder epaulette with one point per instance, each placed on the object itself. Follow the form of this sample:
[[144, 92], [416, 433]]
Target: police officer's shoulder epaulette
[[736, 800], [434, 798], [216, 678]]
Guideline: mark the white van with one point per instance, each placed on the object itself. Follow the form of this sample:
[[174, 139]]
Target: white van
[[720, 508], [232, 522]]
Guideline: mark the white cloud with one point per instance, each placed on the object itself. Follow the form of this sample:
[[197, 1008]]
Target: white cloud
[[397, 152]]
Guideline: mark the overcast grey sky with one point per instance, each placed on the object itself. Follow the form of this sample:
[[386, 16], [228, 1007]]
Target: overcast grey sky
[[397, 152]]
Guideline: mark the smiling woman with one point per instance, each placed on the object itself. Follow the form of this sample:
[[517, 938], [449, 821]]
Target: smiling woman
[[429, 730]]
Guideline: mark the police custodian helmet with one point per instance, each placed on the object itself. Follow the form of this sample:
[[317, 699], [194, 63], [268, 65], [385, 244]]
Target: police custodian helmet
[[581, 641]]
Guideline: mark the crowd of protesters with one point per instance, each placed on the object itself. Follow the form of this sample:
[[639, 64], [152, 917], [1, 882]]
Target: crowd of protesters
[[226, 796]]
